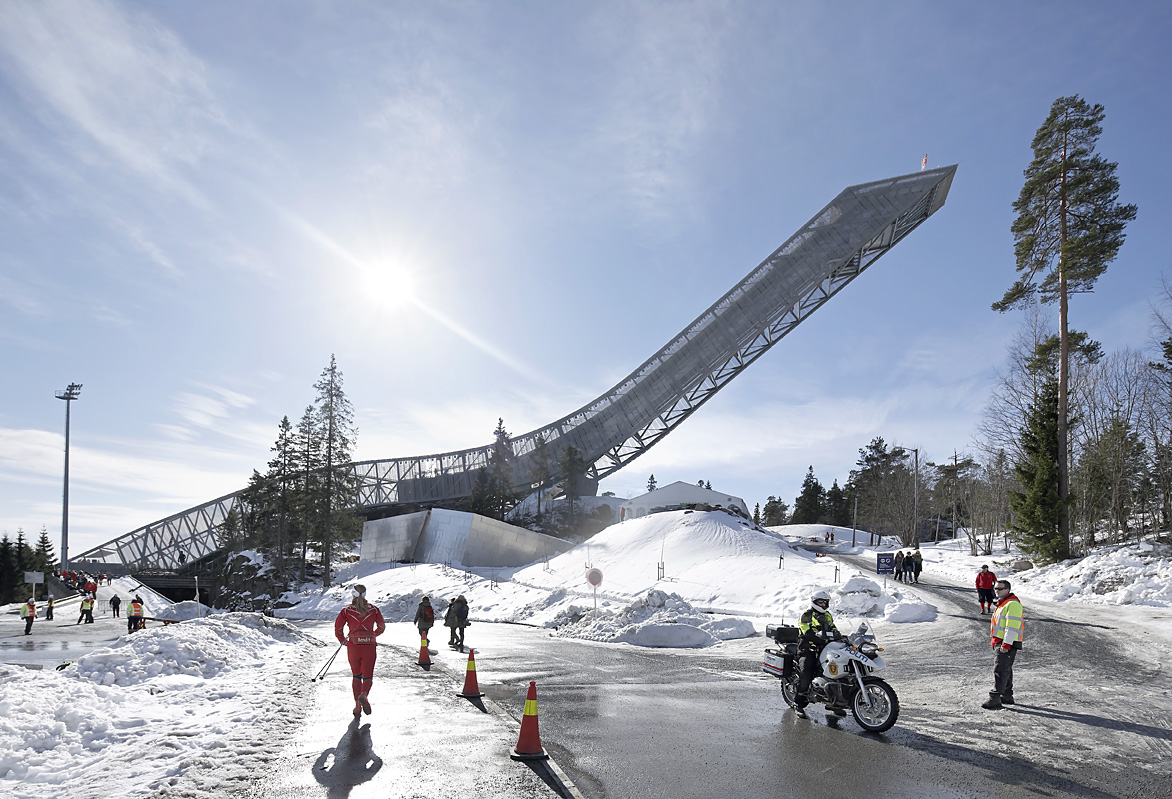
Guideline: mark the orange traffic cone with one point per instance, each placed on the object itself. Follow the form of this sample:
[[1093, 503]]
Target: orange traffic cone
[[529, 742], [471, 688], [424, 655]]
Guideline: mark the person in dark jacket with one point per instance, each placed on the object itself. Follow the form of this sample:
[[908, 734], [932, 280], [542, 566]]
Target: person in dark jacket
[[424, 617], [462, 621], [899, 565], [115, 603], [450, 622], [917, 564]]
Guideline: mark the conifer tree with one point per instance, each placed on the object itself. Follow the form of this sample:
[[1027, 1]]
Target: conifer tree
[[573, 469], [809, 507], [651, 484], [9, 572], [45, 559], [335, 424], [541, 469], [500, 470], [1037, 507], [837, 512], [774, 513], [757, 513], [1069, 226]]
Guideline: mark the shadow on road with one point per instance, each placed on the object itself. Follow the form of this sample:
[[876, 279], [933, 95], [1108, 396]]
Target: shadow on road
[[1095, 721], [352, 762]]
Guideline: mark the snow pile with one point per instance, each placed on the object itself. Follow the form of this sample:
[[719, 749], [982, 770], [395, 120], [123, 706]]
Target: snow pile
[[203, 648], [185, 611], [150, 703], [681, 578], [655, 620], [1122, 576]]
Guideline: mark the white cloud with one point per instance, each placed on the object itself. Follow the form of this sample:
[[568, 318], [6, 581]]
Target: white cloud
[[122, 84]]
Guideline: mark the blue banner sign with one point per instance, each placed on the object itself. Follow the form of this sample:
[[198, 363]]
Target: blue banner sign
[[885, 563]]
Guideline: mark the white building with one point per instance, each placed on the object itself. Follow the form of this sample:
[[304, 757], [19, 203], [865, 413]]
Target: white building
[[676, 494]]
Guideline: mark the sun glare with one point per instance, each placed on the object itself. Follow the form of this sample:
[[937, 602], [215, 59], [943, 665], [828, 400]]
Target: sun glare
[[388, 286]]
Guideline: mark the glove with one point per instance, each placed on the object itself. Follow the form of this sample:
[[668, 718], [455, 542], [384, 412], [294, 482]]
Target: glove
[[1005, 647]]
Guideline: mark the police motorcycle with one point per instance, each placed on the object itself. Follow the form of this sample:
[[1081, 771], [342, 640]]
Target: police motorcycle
[[847, 678]]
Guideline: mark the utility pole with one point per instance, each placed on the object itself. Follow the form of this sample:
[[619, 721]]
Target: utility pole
[[69, 395], [855, 522], [916, 501]]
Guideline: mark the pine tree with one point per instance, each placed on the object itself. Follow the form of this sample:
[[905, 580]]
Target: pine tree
[[282, 472], [809, 507], [757, 513], [651, 484], [45, 559], [1068, 228], [573, 470], [774, 513], [837, 512], [307, 496], [335, 423], [10, 576], [1037, 507], [541, 469], [482, 501], [500, 468], [708, 485]]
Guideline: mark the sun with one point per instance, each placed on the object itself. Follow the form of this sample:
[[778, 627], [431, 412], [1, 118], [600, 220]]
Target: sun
[[387, 285]]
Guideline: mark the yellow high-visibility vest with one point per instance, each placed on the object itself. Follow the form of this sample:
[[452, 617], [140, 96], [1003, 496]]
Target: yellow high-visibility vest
[[27, 610], [1008, 622]]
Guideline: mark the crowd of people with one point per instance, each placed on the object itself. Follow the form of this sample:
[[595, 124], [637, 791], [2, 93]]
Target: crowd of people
[[909, 566]]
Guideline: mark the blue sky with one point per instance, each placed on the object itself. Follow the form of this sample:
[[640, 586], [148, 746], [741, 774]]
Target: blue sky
[[500, 209]]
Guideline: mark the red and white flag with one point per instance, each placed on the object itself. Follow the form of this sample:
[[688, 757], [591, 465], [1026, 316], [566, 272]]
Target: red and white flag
[[924, 163]]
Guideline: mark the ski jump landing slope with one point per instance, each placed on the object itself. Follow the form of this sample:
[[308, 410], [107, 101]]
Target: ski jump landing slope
[[848, 235]]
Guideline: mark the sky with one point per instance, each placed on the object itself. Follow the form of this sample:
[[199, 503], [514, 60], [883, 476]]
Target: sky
[[500, 210]]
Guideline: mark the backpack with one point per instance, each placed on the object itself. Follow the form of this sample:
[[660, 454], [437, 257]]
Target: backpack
[[428, 613]]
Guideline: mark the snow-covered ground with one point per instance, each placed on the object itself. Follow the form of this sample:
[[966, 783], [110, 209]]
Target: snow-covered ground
[[152, 705]]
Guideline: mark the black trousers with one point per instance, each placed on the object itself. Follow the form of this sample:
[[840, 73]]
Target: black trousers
[[1003, 672], [28, 626], [807, 671]]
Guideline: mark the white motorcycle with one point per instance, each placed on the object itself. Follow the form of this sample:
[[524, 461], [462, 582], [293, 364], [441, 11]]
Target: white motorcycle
[[848, 676]]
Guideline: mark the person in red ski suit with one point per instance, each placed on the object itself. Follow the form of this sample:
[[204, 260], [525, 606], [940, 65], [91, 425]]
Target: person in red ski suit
[[366, 624], [985, 581]]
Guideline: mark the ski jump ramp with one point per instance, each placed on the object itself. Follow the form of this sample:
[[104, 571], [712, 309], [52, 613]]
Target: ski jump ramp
[[853, 231]]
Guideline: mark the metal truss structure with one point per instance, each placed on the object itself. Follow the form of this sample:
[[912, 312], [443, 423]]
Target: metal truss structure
[[854, 230]]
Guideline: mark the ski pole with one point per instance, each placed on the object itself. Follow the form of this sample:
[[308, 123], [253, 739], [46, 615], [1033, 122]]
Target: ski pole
[[321, 675]]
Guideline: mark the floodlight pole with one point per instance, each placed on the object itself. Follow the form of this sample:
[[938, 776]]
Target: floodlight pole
[[69, 395], [916, 502]]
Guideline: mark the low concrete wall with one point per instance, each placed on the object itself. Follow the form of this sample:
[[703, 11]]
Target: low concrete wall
[[443, 536]]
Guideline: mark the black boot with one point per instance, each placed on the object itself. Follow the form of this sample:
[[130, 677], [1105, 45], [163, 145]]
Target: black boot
[[992, 703]]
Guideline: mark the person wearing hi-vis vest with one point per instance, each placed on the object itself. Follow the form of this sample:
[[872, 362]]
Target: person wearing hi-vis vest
[[87, 610], [1006, 629], [134, 615], [28, 612], [365, 623]]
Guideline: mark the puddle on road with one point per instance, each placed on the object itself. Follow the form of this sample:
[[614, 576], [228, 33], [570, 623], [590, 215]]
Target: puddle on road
[[48, 646]]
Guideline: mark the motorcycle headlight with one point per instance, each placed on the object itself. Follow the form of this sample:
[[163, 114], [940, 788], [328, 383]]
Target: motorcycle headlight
[[870, 650]]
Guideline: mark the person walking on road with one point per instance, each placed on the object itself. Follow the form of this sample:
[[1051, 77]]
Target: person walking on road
[[985, 595], [424, 617], [134, 615], [899, 565], [87, 610], [917, 564], [365, 624], [450, 622], [115, 603], [461, 614], [1006, 629], [28, 612], [49, 609]]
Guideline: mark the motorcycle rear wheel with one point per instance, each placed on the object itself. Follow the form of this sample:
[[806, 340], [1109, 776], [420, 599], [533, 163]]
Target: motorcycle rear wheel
[[789, 691], [880, 716]]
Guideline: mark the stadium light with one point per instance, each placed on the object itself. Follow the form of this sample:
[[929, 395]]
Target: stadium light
[[69, 395]]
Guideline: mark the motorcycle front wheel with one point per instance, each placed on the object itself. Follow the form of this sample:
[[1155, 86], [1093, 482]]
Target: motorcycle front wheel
[[883, 710], [789, 691]]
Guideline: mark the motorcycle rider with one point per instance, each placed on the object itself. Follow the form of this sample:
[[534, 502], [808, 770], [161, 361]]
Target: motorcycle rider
[[814, 622]]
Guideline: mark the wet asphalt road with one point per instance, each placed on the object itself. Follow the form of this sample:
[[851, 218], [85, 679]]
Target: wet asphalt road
[[1092, 719]]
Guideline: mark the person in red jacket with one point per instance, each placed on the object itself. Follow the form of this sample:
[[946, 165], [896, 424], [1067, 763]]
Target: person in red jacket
[[366, 624], [985, 581]]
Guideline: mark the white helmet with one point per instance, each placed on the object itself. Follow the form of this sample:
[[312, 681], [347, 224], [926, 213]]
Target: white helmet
[[820, 597]]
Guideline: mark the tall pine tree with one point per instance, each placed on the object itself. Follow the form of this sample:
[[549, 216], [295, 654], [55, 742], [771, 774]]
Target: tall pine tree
[[809, 507], [1037, 507], [1069, 226], [335, 426]]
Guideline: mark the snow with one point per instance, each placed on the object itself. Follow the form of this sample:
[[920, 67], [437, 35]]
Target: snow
[[176, 695]]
